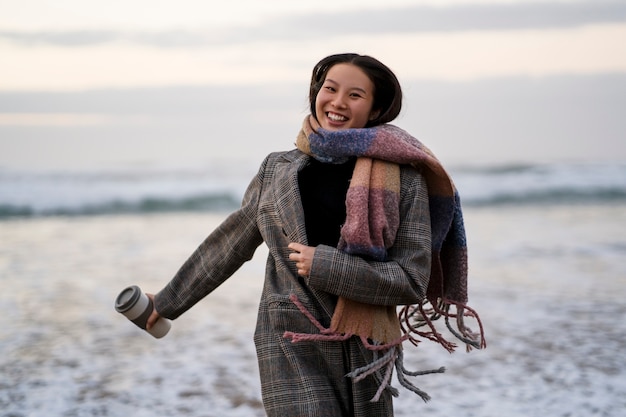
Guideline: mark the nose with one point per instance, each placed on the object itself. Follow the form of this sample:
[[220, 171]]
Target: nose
[[339, 102]]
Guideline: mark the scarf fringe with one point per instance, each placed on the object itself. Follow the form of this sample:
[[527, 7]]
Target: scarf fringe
[[331, 336], [392, 358], [403, 372], [413, 317]]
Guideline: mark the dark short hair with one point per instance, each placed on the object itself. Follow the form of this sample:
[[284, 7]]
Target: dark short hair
[[387, 90]]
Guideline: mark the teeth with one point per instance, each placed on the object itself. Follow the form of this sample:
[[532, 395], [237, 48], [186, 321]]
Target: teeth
[[336, 117]]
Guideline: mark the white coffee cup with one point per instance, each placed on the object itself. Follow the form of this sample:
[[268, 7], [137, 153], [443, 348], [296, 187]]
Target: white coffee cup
[[137, 307]]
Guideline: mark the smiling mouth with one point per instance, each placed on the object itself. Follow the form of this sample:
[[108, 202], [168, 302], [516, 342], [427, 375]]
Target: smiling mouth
[[336, 117]]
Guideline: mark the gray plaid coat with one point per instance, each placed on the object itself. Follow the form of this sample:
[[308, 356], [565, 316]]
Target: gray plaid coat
[[307, 379]]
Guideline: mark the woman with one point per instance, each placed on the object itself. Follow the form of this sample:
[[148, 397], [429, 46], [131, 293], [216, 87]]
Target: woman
[[335, 273]]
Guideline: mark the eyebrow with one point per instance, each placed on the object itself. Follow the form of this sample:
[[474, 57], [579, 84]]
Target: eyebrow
[[352, 88]]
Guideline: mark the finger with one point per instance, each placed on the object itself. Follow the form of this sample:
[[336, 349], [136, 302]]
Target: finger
[[296, 246], [152, 319], [154, 316]]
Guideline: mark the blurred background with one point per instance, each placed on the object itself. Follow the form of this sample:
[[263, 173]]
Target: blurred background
[[129, 128]]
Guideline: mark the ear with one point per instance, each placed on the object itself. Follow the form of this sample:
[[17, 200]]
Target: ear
[[374, 114]]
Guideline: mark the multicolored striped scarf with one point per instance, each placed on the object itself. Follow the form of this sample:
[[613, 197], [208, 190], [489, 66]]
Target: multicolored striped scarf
[[372, 207]]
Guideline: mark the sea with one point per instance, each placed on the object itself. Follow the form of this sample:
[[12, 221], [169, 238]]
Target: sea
[[547, 263]]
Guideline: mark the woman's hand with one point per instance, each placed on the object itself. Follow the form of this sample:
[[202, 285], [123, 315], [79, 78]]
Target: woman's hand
[[154, 316], [303, 256]]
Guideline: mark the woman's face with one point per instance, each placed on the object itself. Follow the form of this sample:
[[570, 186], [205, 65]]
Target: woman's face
[[346, 98]]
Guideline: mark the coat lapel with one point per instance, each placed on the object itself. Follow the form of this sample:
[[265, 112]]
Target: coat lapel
[[291, 213], [287, 196]]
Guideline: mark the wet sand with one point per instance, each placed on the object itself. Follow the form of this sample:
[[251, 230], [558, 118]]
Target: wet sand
[[548, 283]]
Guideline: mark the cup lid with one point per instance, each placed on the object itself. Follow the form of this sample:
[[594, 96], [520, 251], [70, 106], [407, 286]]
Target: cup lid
[[127, 298]]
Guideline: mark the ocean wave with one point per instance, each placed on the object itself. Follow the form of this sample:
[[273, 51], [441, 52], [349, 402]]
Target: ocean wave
[[542, 184], [97, 193], [214, 203], [550, 196]]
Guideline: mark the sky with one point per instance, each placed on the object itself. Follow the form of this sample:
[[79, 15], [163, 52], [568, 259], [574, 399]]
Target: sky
[[127, 82]]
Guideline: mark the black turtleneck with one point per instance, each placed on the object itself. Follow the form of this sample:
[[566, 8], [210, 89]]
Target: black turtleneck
[[323, 189]]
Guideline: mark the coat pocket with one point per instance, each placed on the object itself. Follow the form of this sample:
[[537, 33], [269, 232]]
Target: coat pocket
[[286, 316]]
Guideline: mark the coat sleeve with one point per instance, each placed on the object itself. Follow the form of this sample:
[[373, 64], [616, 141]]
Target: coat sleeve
[[220, 255], [403, 278]]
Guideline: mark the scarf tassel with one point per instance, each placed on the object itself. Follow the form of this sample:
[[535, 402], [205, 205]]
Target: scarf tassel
[[330, 335], [462, 331], [412, 318], [392, 358], [425, 318]]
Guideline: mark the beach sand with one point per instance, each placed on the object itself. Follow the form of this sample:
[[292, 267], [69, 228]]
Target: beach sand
[[548, 283]]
